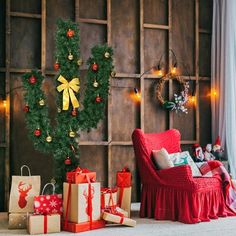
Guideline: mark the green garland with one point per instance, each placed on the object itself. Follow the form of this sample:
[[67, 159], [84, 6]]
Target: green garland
[[59, 140]]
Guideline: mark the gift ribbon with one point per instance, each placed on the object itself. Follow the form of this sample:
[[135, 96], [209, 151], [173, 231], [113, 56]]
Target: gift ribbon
[[78, 171], [67, 206], [45, 224], [68, 89], [109, 191], [90, 206]]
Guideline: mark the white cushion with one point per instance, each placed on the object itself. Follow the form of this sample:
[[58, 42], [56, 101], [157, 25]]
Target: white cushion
[[184, 158], [162, 159]]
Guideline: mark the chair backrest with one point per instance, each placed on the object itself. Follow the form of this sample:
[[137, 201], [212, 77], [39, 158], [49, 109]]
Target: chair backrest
[[144, 144]]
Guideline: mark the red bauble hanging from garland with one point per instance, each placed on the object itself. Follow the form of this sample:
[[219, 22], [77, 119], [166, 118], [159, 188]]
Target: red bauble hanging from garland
[[94, 67], [74, 112], [56, 66], [26, 108], [67, 161], [98, 99], [32, 80], [37, 132], [70, 33]]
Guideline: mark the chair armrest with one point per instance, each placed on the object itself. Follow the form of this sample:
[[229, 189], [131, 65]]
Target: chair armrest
[[178, 176]]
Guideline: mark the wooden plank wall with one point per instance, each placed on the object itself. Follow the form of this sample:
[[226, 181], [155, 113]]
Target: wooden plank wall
[[139, 31]]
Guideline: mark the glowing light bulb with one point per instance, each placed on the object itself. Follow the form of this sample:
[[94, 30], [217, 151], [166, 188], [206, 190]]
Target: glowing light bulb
[[192, 99], [4, 103], [173, 70]]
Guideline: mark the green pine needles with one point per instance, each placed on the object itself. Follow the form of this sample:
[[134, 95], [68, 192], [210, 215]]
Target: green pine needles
[[72, 117]]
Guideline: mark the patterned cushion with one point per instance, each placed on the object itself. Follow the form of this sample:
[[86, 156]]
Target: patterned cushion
[[162, 159], [184, 158]]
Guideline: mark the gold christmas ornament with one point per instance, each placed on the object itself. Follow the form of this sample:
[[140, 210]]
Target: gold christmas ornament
[[49, 139], [113, 73], [79, 62], [41, 102], [72, 134], [107, 55], [70, 56], [95, 84], [59, 110]]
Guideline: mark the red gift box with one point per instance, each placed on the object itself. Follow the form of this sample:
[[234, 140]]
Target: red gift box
[[79, 176], [123, 178], [108, 198], [82, 227], [48, 204]]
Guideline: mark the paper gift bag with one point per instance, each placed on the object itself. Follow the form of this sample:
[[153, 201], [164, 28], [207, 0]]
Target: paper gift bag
[[108, 198], [23, 190], [119, 219], [17, 221], [48, 204], [43, 224], [79, 176], [77, 205], [124, 198]]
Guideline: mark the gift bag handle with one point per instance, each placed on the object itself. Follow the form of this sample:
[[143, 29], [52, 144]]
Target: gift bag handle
[[21, 170], [53, 188]]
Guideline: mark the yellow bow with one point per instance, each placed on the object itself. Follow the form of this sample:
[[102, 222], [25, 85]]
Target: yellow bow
[[68, 89]]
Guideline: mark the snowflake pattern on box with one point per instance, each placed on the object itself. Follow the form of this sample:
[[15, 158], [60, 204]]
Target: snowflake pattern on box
[[48, 204]]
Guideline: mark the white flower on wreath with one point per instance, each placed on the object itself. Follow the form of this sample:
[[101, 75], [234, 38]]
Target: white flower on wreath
[[53, 203]]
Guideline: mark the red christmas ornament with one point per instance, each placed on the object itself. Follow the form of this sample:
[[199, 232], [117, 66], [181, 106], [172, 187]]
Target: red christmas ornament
[[98, 99], [26, 108], [32, 80], [70, 33], [67, 161], [37, 132], [95, 67], [56, 66], [74, 112]]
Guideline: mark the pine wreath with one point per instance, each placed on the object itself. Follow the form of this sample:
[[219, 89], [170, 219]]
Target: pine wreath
[[60, 140]]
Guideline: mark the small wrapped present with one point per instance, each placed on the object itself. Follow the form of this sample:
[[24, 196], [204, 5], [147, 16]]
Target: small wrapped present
[[82, 202], [48, 204], [79, 176], [43, 224], [118, 218], [123, 182], [82, 227], [108, 198], [17, 221]]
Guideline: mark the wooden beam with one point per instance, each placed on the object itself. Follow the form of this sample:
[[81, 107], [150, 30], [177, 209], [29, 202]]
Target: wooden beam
[[93, 21], [77, 11], [26, 15], [188, 141], [43, 36], [156, 26], [204, 31], [127, 75]]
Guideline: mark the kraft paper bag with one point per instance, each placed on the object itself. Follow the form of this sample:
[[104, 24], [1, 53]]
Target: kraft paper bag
[[23, 190]]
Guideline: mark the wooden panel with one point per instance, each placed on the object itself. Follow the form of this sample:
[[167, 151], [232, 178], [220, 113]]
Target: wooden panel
[[2, 178], [156, 12], [205, 55], [124, 110], [95, 9], [100, 133], [95, 158], [55, 9], [125, 35], [124, 156], [205, 14], [2, 108], [180, 120], [2, 32], [155, 44], [25, 46], [183, 34], [28, 6], [155, 117], [205, 112], [90, 35]]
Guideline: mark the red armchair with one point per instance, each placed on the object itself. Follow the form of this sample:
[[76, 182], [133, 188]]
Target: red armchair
[[173, 194]]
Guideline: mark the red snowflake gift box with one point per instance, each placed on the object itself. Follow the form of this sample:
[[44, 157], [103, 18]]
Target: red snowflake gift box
[[48, 204], [79, 176]]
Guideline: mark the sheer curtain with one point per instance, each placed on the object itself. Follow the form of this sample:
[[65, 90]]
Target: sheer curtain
[[224, 77]]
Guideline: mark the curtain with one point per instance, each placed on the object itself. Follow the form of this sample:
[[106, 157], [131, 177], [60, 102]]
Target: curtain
[[224, 77]]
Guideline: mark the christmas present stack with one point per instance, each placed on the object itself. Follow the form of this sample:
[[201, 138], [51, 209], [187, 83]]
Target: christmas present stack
[[82, 201], [23, 190], [47, 213]]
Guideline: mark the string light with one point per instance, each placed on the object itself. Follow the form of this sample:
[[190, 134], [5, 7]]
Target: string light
[[135, 95], [4, 103]]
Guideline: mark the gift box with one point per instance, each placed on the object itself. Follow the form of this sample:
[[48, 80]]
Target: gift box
[[79, 176], [108, 198], [123, 178], [124, 199], [43, 224], [118, 218], [81, 227], [82, 202], [48, 204], [17, 221]]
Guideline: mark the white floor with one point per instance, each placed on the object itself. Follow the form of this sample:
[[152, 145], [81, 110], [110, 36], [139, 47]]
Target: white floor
[[148, 227]]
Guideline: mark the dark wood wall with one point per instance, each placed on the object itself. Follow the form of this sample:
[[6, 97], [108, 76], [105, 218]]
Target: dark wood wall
[[139, 31]]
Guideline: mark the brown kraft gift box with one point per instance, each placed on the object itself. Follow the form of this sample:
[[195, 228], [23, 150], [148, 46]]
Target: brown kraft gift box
[[17, 221]]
